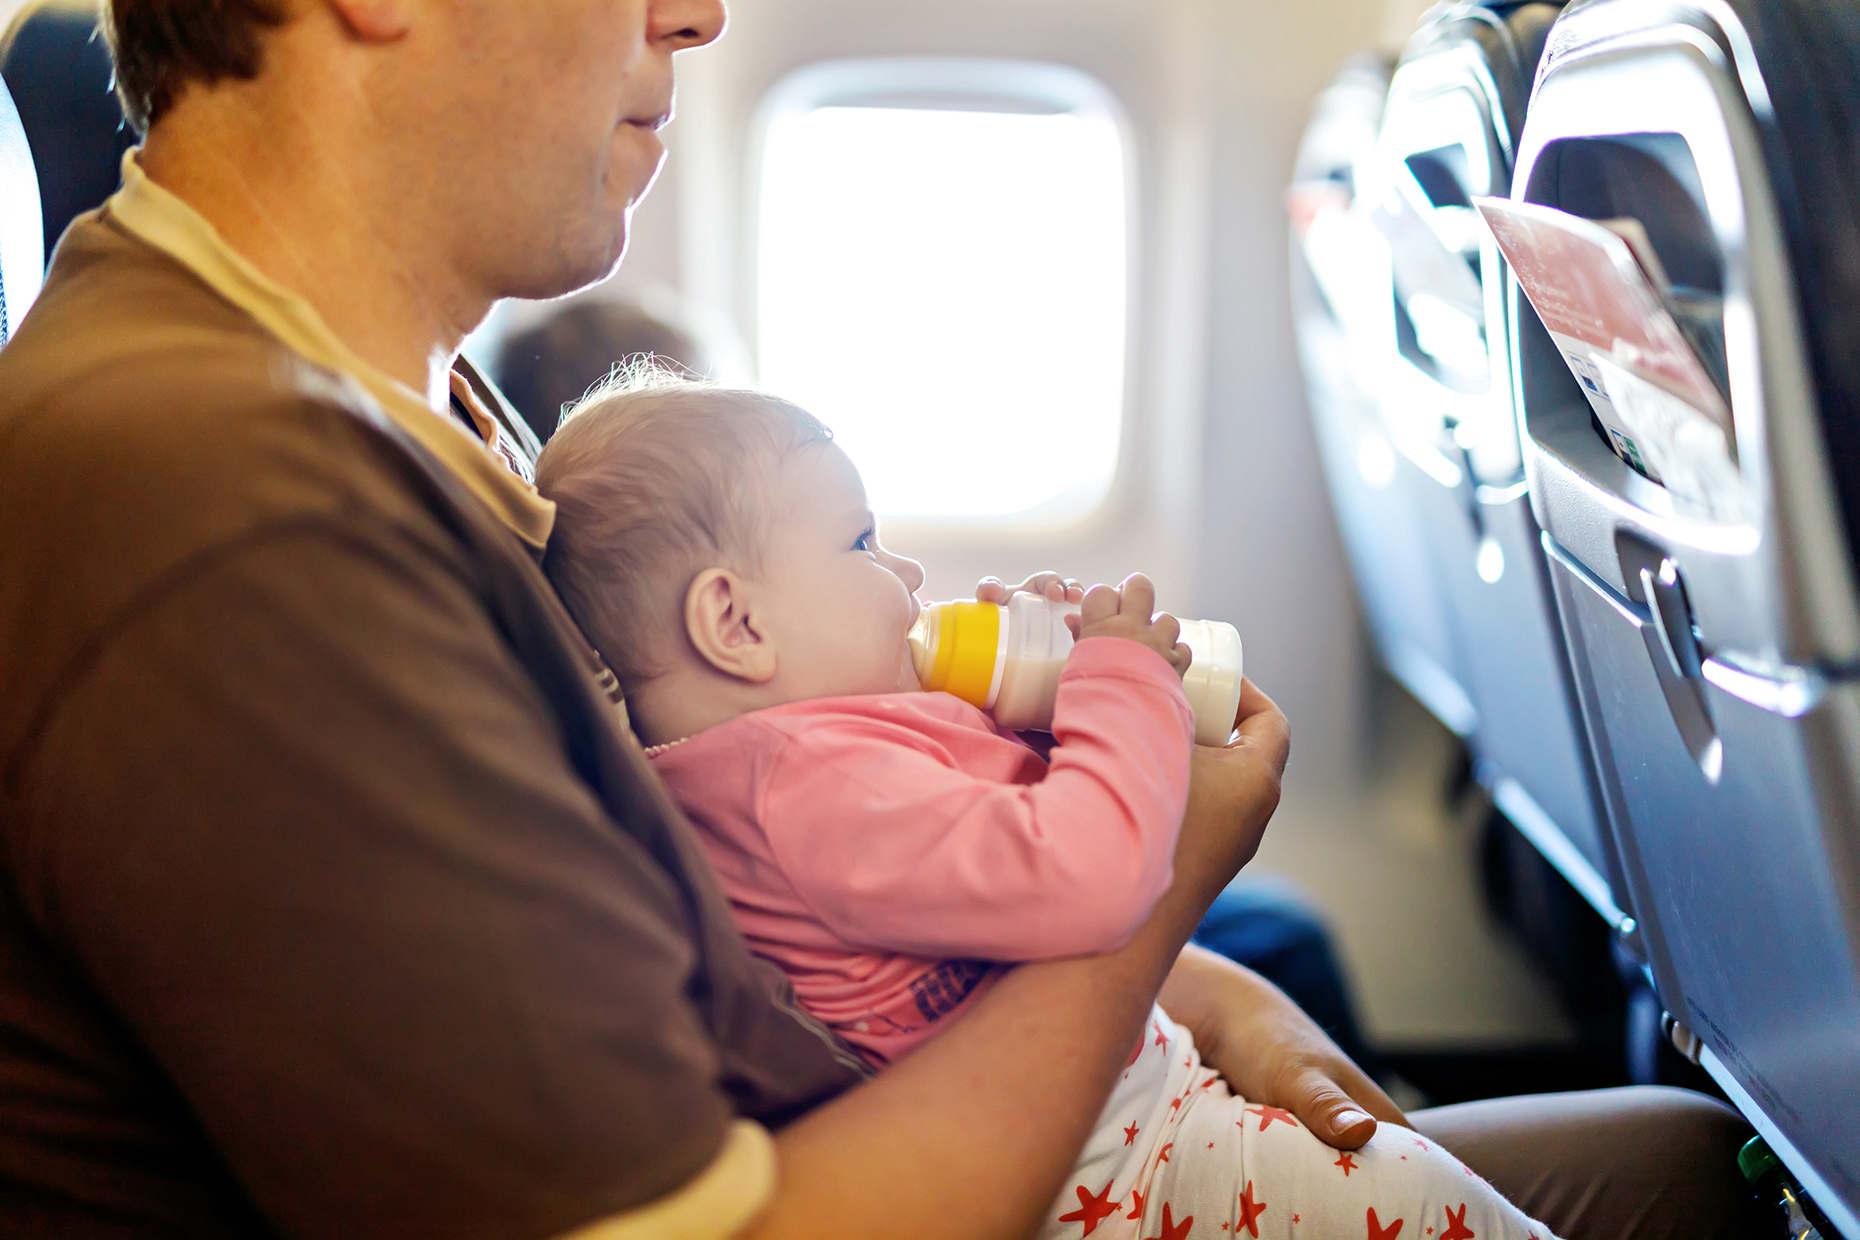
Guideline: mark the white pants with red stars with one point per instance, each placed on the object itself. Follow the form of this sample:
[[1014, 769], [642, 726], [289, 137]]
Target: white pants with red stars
[[1177, 1156]]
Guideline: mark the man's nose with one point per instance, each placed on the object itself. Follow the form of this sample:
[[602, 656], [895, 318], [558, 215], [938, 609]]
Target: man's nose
[[687, 23]]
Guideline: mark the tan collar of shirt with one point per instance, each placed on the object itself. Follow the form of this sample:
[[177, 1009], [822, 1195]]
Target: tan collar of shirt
[[482, 462]]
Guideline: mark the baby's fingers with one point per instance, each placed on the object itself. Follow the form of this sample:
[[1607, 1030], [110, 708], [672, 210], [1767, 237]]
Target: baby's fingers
[[1139, 597], [1100, 603], [1180, 658]]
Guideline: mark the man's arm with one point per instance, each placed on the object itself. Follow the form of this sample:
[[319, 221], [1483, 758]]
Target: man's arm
[[973, 1133], [309, 829]]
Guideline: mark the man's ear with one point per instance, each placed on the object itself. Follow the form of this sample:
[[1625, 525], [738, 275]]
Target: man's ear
[[721, 622], [374, 21]]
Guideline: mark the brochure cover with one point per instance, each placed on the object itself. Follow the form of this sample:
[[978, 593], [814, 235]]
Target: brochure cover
[[1604, 308]]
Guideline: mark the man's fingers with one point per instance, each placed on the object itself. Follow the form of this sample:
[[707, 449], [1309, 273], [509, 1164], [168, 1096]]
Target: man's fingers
[[1261, 725], [1253, 702], [1181, 658]]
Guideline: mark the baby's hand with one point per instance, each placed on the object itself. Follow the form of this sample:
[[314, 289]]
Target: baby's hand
[[1049, 585], [1129, 611]]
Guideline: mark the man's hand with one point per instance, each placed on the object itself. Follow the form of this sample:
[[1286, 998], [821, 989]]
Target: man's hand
[[1271, 1052], [1233, 790]]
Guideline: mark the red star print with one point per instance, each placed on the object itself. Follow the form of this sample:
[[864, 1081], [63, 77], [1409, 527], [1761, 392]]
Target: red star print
[[1136, 1210], [1430, 1231], [1294, 1218], [1093, 1207], [1135, 1051], [1268, 1114], [1210, 1145], [1456, 1226], [1169, 1229], [1378, 1232], [1164, 1156], [1160, 1040], [1130, 1135], [1174, 1103], [1250, 1211], [1224, 1228], [1209, 1083], [1347, 1162]]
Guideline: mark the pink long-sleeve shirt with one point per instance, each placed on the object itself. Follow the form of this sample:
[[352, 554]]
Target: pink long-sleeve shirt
[[893, 853]]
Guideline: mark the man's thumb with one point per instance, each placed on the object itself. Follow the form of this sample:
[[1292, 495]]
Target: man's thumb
[[1332, 1114]]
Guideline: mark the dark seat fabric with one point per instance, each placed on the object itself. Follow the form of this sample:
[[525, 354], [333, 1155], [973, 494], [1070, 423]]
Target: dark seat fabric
[[59, 72], [22, 257]]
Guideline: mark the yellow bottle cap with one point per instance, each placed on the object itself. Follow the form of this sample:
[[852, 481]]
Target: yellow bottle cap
[[956, 648]]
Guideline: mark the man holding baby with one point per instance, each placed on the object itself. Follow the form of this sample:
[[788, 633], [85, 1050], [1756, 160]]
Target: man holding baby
[[335, 900]]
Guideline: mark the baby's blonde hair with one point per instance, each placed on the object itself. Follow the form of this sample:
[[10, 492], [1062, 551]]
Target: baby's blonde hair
[[656, 478]]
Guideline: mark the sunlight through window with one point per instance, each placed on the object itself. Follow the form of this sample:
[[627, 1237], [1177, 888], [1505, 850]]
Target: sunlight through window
[[945, 288]]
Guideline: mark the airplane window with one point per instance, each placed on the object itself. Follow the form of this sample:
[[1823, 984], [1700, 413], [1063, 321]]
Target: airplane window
[[942, 281]]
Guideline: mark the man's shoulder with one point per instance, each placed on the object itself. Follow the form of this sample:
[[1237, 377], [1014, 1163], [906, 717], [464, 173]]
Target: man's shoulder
[[147, 425], [133, 395]]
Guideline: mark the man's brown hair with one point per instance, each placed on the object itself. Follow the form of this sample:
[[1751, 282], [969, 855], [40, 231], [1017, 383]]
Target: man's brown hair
[[162, 45]]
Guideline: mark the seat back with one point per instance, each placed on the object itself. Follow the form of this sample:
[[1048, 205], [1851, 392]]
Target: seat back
[[22, 247], [1716, 638], [1340, 298], [1430, 340], [59, 70]]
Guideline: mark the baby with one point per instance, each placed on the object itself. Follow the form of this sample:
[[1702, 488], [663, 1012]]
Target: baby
[[893, 850]]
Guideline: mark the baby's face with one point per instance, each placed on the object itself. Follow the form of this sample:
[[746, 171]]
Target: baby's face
[[837, 603]]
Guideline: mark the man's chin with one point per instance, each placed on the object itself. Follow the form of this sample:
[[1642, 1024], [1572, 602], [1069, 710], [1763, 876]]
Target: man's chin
[[572, 271]]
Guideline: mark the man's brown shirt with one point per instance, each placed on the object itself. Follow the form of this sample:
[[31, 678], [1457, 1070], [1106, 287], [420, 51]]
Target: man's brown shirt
[[332, 899]]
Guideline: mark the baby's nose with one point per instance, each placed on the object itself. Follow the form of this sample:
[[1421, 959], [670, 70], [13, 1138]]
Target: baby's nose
[[909, 571]]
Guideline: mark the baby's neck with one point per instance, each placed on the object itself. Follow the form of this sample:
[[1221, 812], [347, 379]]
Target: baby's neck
[[685, 701]]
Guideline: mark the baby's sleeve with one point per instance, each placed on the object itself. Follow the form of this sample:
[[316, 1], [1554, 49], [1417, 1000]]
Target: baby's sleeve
[[894, 847]]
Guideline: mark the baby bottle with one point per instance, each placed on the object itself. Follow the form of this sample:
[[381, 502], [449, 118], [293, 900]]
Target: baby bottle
[[1007, 659]]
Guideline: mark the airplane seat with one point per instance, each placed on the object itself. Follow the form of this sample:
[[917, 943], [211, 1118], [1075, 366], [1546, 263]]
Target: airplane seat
[[59, 70], [1337, 302], [22, 253], [1422, 298], [1710, 603]]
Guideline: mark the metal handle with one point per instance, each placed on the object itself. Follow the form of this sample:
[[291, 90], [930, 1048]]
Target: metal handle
[[1783, 689], [1678, 665], [1672, 619]]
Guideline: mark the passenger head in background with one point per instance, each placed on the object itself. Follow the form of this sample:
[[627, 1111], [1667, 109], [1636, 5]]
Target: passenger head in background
[[545, 368], [717, 548], [522, 136]]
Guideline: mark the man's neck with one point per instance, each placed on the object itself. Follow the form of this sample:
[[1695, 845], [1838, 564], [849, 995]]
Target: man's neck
[[304, 207]]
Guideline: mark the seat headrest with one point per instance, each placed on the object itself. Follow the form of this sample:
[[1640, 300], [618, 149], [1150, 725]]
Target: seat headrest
[[60, 72], [22, 245]]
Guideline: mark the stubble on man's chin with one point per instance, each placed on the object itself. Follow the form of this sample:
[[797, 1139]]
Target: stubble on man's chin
[[570, 268]]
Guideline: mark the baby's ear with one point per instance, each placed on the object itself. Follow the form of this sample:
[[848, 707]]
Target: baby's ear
[[721, 623]]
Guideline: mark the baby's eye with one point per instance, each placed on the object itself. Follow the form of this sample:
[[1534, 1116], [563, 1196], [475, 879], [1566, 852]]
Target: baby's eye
[[864, 541]]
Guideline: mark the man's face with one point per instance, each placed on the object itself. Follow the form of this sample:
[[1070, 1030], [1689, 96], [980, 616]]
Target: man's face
[[549, 128]]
